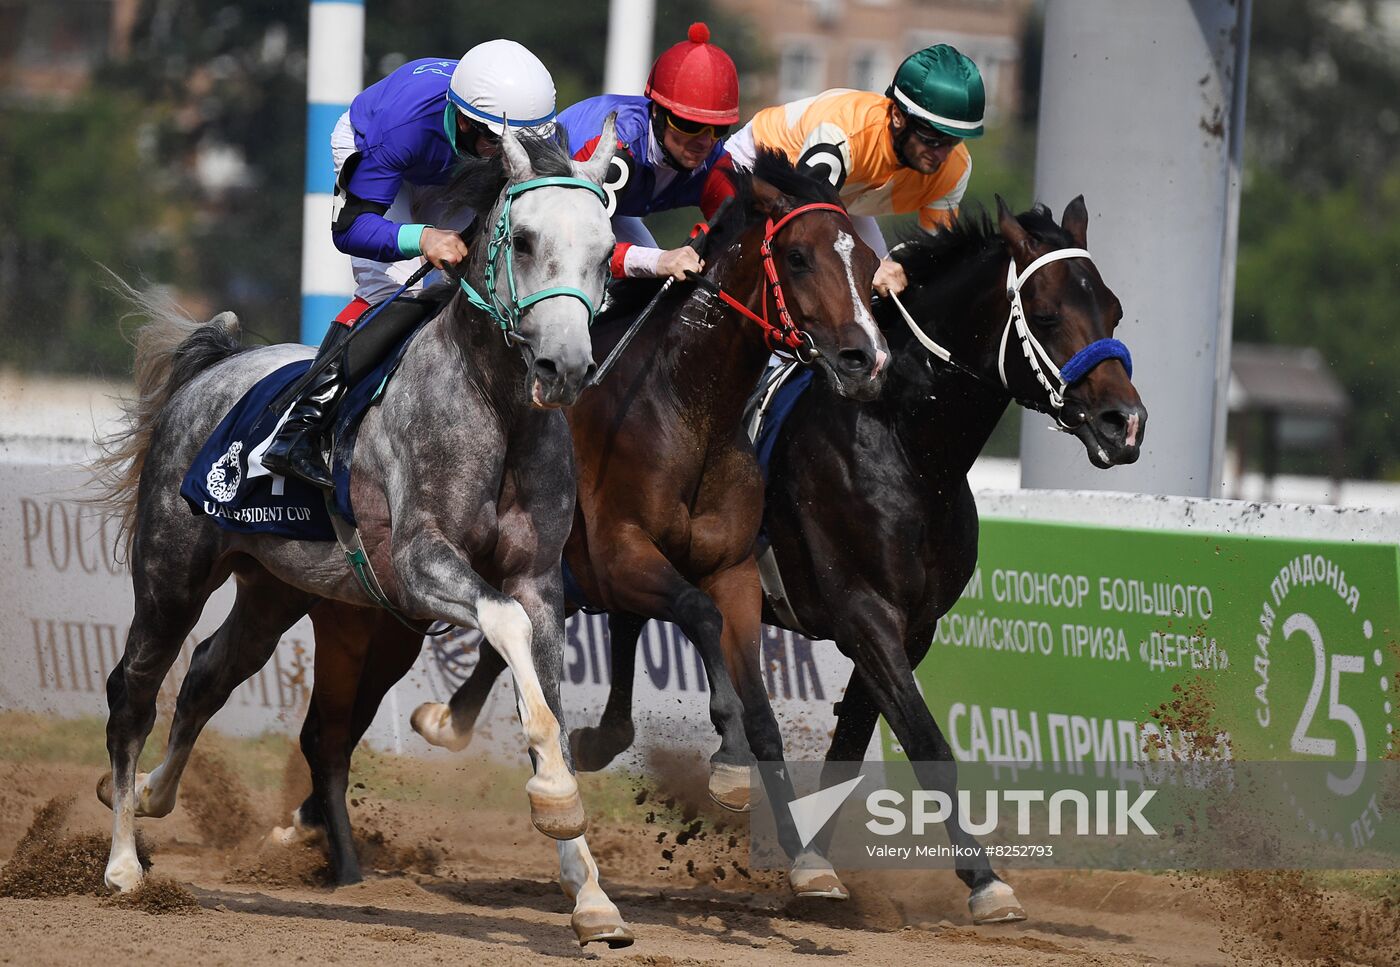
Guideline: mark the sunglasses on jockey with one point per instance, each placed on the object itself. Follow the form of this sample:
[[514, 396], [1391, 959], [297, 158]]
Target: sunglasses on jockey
[[931, 137], [694, 129]]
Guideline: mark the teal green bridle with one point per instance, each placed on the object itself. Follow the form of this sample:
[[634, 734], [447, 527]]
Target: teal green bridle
[[507, 312]]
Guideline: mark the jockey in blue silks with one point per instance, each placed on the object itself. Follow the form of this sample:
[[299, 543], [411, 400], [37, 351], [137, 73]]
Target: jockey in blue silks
[[672, 149], [394, 151]]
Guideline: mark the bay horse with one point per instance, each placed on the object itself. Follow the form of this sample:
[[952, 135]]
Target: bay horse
[[872, 552], [670, 496], [462, 482]]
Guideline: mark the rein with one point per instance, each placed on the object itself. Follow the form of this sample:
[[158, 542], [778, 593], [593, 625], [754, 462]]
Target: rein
[[785, 336], [507, 312], [1054, 380]]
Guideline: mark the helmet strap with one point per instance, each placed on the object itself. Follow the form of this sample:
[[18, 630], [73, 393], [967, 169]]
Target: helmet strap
[[901, 136], [658, 132]]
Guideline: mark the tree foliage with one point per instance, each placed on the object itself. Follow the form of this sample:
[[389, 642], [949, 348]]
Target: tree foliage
[[1319, 257]]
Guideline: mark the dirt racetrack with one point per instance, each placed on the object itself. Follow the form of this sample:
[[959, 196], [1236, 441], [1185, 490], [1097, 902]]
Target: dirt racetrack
[[455, 874]]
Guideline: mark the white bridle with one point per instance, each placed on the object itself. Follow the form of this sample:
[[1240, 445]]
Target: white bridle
[[1047, 374]]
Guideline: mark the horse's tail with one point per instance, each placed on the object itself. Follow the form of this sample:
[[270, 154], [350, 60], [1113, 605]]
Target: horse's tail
[[171, 350]]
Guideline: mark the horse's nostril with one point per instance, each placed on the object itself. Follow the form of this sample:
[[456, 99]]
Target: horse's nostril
[[1119, 426], [855, 361], [545, 368]]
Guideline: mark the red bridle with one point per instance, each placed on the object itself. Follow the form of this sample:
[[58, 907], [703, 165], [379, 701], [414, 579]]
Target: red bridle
[[785, 336]]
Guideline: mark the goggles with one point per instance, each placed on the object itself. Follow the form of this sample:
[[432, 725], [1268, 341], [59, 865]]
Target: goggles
[[694, 129]]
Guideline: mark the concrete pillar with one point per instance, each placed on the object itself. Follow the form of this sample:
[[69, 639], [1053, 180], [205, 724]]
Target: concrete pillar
[[1142, 112]]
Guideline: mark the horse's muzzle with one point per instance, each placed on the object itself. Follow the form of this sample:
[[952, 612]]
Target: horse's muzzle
[[1113, 435], [551, 386]]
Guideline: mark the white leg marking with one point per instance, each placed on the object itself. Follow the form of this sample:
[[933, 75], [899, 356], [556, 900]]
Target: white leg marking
[[595, 917], [123, 871], [508, 628]]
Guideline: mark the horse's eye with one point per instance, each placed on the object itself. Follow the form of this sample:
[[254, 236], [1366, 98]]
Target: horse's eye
[[796, 260], [523, 246], [1045, 319]]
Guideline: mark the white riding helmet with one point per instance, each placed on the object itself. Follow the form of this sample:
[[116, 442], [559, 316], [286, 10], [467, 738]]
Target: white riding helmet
[[500, 81]]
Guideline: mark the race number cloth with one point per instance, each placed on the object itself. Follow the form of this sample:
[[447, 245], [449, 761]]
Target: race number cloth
[[228, 482]]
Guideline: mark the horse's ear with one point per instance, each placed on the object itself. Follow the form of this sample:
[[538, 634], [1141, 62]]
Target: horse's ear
[[1018, 240], [769, 201], [517, 162], [595, 169], [1076, 221]]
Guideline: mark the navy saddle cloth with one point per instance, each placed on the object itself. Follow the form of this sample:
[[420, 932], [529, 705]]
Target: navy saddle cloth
[[228, 482], [776, 413]]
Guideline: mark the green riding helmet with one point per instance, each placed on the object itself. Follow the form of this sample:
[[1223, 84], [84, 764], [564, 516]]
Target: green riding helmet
[[941, 87]]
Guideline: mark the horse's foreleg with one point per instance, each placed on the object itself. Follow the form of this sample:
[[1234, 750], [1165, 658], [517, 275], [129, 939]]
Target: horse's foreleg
[[595, 746], [451, 726], [645, 583], [342, 645], [737, 593], [595, 917], [881, 655], [438, 582]]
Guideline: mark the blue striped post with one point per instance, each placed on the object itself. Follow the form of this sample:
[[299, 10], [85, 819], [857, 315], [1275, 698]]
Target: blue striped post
[[335, 50]]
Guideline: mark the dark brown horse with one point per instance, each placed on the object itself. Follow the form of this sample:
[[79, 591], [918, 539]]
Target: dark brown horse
[[873, 552], [669, 497]]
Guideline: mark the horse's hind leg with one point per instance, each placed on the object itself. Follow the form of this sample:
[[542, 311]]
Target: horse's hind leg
[[263, 609], [169, 595], [595, 746]]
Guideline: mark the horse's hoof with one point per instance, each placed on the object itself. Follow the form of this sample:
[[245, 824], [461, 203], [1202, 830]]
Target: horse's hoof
[[104, 790], [124, 875], [602, 924], [106, 794], [294, 835], [729, 786], [812, 876], [995, 902], [433, 721], [592, 752], [559, 817]]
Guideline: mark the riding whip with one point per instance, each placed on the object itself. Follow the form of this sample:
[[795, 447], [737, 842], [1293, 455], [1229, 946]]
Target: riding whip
[[697, 242]]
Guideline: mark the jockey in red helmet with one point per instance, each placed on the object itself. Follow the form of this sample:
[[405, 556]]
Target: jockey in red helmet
[[672, 142]]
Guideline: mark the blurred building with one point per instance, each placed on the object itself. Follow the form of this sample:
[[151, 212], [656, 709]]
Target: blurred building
[[821, 44], [50, 48]]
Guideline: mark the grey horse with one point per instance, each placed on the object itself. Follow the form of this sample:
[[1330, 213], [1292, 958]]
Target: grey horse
[[462, 480]]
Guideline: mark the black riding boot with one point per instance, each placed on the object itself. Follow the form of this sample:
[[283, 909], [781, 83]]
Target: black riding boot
[[298, 450]]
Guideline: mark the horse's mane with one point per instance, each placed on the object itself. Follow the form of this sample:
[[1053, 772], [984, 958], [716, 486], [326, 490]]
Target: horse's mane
[[968, 239], [627, 295], [477, 183]]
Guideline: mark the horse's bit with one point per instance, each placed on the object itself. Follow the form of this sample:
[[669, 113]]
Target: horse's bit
[[784, 336], [1055, 380], [507, 313]]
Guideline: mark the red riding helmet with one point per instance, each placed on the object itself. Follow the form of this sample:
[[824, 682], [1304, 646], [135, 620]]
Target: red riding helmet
[[696, 80]]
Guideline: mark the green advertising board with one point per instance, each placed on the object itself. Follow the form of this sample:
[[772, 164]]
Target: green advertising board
[[1069, 637]]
